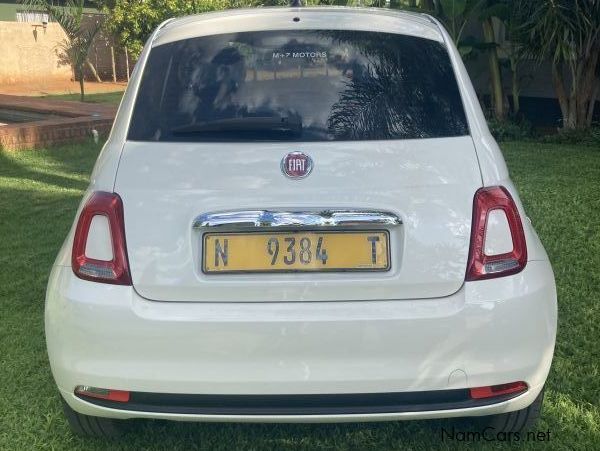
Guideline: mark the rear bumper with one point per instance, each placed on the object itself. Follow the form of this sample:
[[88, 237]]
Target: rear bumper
[[490, 332], [302, 408]]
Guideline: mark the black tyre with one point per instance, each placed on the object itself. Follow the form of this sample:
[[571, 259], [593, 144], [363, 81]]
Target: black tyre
[[89, 426], [517, 421]]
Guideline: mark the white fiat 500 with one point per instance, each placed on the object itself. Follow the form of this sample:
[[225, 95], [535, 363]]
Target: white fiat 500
[[300, 216]]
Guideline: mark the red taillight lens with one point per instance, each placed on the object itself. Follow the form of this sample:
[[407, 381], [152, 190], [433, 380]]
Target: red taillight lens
[[102, 393], [492, 391], [482, 266], [115, 271]]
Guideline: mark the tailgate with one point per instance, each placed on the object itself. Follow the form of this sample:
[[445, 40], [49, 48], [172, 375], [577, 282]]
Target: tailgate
[[428, 184]]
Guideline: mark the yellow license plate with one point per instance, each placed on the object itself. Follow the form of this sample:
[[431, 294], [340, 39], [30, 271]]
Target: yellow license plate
[[295, 251]]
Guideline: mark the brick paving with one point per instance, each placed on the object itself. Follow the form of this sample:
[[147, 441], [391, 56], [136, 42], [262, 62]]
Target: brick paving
[[71, 121], [53, 86]]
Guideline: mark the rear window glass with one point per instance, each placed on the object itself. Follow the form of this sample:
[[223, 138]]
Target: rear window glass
[[299, 85]]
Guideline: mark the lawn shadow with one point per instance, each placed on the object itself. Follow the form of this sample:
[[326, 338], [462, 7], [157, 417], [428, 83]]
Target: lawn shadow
[[423, 434], [75, 158], [14, 169]]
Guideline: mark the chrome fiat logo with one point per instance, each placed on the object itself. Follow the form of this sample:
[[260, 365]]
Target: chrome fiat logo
[[296, 165]]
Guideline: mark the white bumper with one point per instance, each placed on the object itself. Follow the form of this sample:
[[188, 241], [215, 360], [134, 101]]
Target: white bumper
[[489, 332]]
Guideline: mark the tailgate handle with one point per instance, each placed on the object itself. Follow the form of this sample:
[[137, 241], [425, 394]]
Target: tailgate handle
[[301, 219]]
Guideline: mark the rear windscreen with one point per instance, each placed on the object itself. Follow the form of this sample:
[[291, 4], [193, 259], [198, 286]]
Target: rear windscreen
[[305, 85]]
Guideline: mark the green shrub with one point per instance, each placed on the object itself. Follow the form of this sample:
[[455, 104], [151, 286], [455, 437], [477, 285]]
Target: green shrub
[[510, 130], [586, 136]]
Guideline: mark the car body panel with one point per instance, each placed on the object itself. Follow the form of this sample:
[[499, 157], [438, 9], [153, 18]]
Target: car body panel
[[359, 19], [108, 336], [427, 183]]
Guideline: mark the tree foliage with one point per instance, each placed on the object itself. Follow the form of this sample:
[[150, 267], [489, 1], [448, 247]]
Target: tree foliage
[[566, 32], [132, 21]]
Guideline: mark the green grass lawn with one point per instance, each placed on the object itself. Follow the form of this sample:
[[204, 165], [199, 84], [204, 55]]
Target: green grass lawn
[[101, 97], [39, 193]]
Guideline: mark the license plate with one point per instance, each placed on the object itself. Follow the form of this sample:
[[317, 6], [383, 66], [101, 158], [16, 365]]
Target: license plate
[[295, 251]]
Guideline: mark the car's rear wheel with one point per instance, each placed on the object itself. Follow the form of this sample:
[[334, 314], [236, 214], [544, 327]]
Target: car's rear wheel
[[517, 421], [89, 426]]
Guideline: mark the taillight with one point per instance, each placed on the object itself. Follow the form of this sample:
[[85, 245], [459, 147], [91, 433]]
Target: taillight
[[102, 393], [504, 251], [104, 259], [491, 391]]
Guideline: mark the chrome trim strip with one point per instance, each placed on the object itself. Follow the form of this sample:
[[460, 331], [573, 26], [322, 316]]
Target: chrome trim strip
[[296, 219]]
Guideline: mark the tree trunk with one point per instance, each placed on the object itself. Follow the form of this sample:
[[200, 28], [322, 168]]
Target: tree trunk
[[127, 64], [112, 59], [494, 68], [93, 70], [561, 94], [583, 89], [427, 5], [588, 89], [591, 106], [81, 88], [515, 88]]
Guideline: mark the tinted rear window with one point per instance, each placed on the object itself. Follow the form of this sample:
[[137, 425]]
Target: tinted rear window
[[305, 85]]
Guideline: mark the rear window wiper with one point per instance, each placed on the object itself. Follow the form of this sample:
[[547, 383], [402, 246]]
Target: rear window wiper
[[248, 124]]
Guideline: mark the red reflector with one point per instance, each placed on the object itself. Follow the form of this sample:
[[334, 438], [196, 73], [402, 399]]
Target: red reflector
[[115, 271], [482, 266], [102, 393], [497, 390]]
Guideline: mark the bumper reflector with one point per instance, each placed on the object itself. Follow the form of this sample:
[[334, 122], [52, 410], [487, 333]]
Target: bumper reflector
[[492, 391], [102, 393]]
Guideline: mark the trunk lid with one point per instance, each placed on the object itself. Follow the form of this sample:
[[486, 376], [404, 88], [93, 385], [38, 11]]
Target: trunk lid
[[428, 183]]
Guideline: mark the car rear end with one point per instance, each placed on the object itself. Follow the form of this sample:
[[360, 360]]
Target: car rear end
[[300, 216]]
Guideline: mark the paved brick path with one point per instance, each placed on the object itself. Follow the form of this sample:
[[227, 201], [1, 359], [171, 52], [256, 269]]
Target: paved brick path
[[45, 87]]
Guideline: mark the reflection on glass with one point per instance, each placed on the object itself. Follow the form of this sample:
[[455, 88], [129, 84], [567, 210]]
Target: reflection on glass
[[306, 85]]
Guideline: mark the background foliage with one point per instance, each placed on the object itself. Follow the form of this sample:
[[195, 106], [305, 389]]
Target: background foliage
[[565, 32]]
